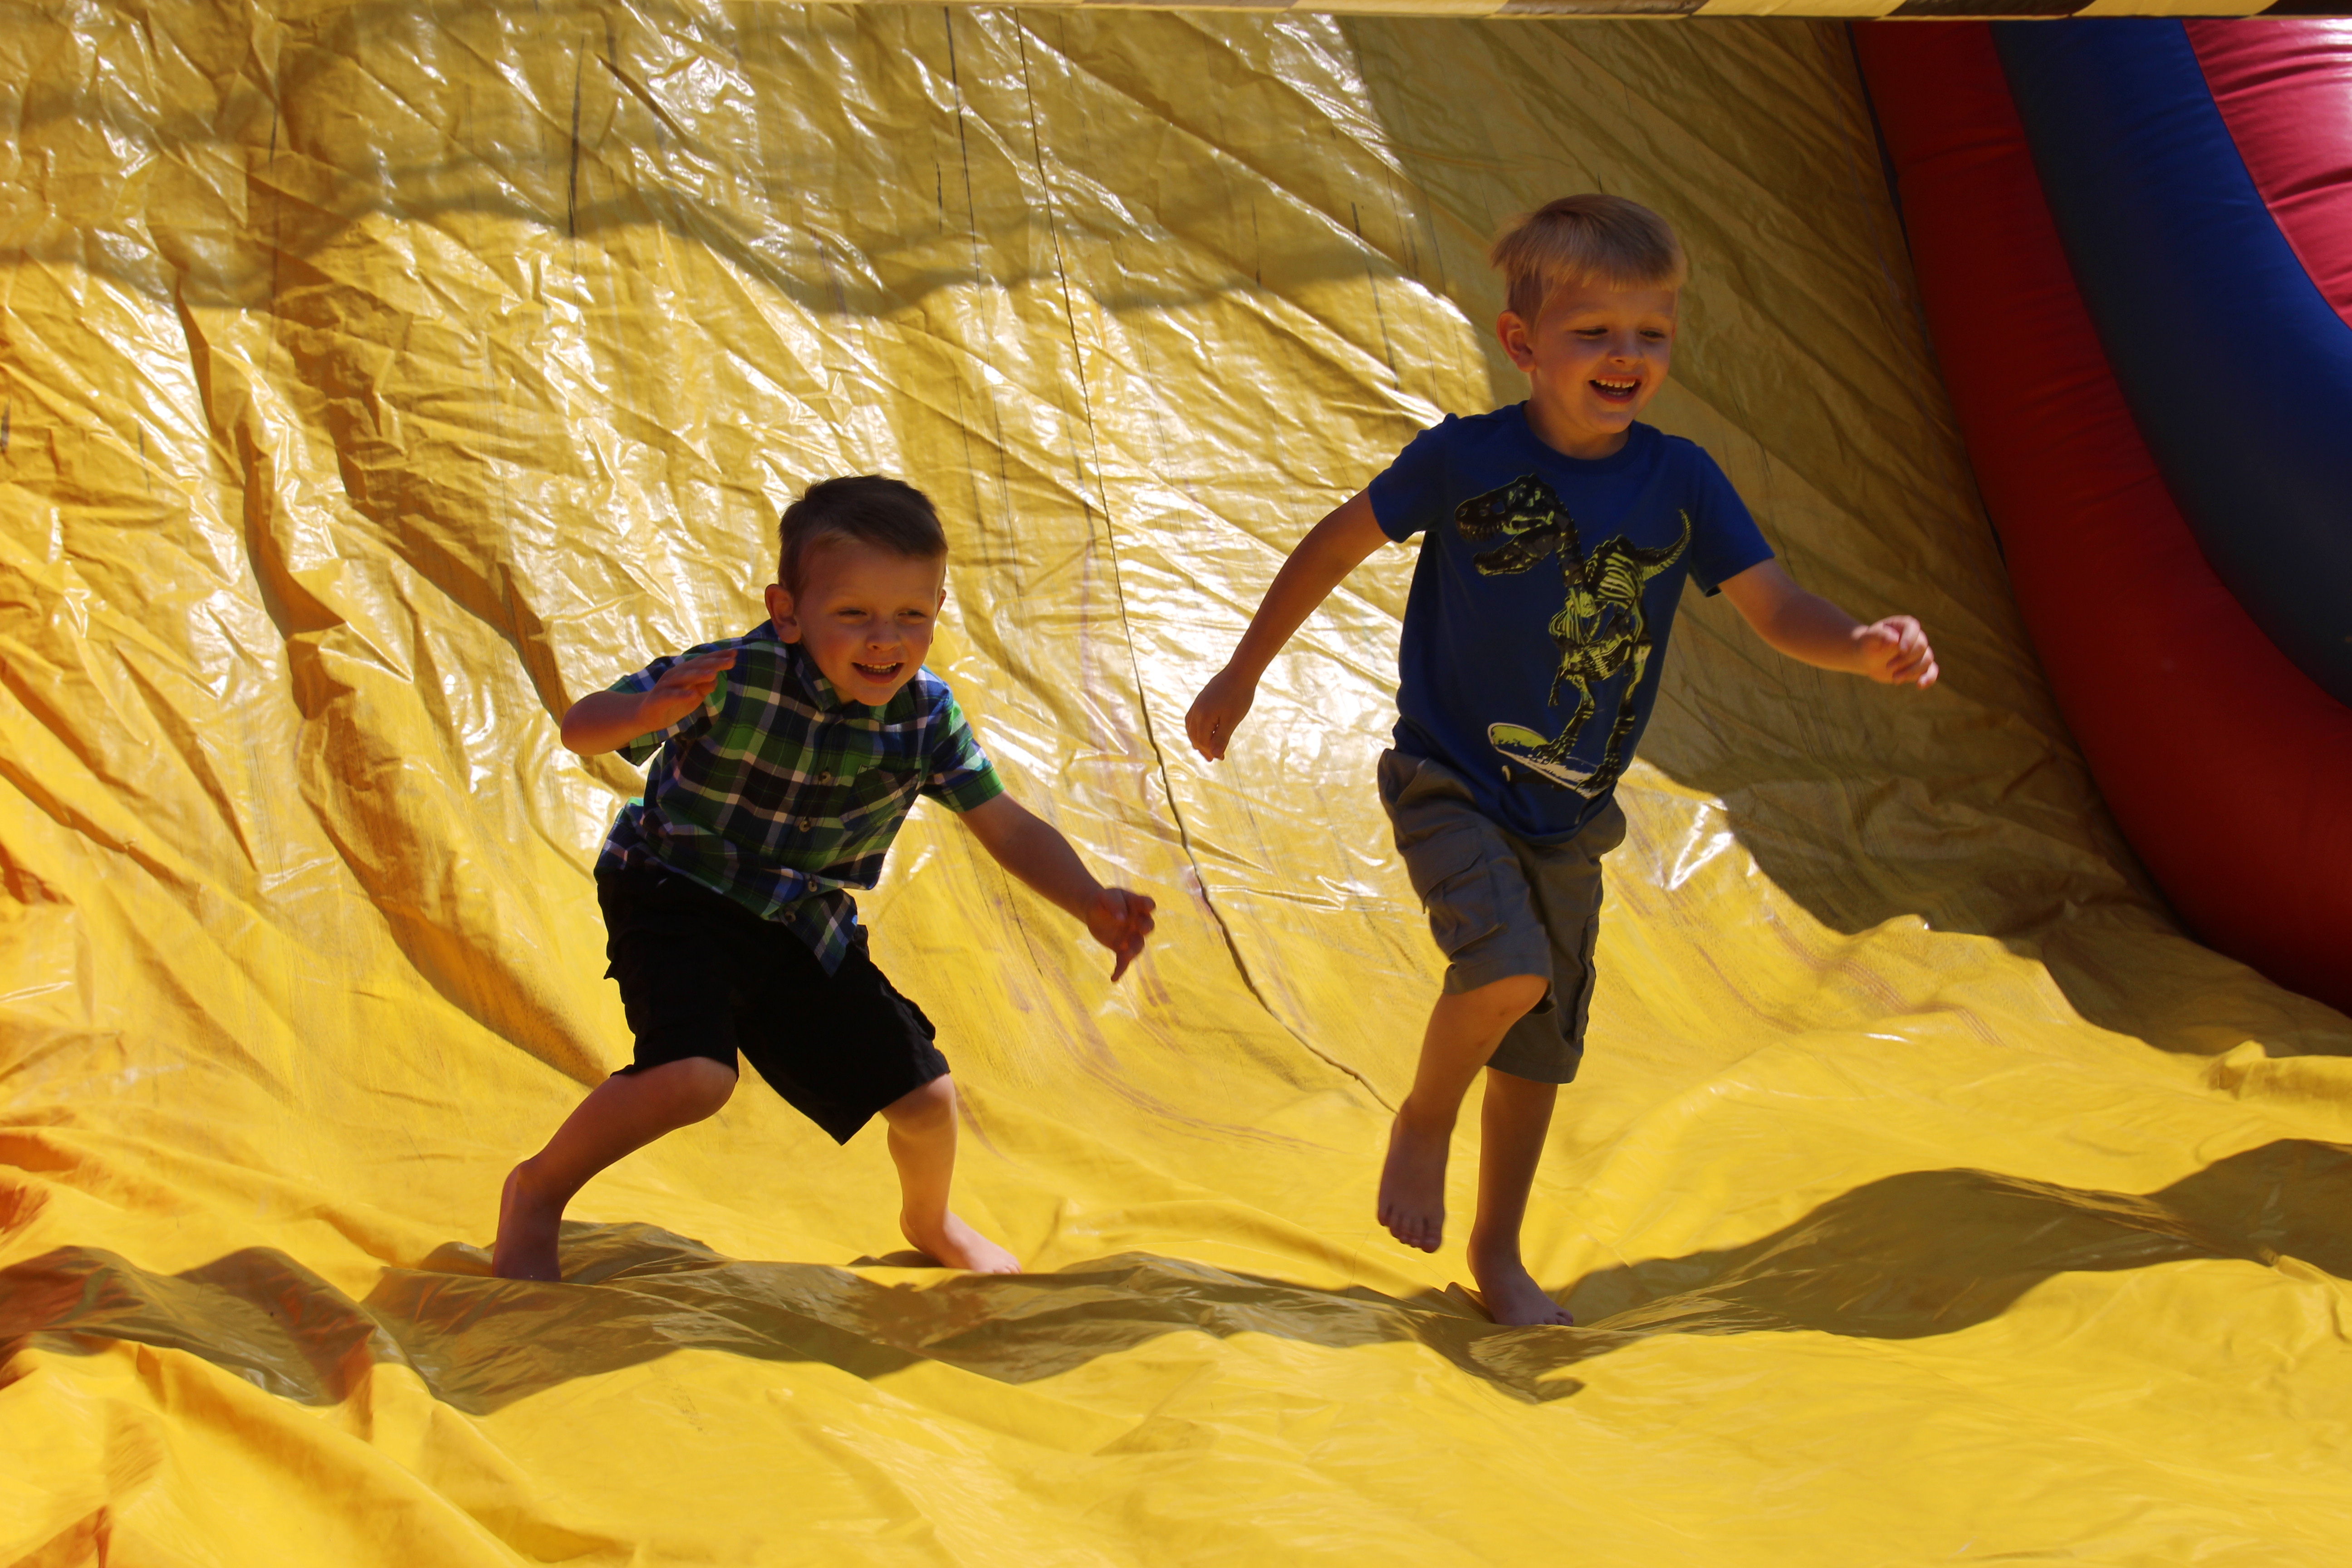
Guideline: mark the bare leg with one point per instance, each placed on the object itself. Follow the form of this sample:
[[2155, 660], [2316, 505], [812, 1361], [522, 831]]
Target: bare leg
[[1463, 1031], [1514, 1120], [923, 1144], [622, 1114]]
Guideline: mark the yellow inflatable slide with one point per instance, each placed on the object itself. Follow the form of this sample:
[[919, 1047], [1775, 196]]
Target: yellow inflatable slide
[[375, 380]]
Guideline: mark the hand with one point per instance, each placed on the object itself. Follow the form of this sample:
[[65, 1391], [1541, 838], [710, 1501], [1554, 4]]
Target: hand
[[1218, 711], [1121, 920], [1895, 651], [682, 688]]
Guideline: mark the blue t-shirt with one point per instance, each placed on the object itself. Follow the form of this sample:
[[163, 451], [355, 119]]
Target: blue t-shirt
[[1536, 630]]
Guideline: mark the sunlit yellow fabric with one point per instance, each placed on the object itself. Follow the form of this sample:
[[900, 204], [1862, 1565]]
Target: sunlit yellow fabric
[[374, 380]]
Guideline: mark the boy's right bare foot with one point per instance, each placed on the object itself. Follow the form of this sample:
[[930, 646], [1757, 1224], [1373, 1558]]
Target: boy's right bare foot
[[953, 1244], [1412, 1184], [1510, 1294], [527, 1228]]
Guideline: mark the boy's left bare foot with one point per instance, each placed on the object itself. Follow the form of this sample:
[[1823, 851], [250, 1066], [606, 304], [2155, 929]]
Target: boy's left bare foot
[[953, 1244], [1412, 1183], [527, 1228], [1512, 1297]]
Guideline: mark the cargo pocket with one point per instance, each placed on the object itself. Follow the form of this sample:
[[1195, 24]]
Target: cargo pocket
[[1452, 873]]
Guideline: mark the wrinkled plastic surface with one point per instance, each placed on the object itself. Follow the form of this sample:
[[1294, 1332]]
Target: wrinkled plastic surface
[[379, 379]]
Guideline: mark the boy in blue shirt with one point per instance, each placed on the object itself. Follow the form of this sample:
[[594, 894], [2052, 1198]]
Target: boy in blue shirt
[[1558, 533], [785, 760]]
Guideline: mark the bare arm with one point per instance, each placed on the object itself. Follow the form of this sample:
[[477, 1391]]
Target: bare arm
[[1332, 548], [607, 720], [1809, 627], [1032, 849]]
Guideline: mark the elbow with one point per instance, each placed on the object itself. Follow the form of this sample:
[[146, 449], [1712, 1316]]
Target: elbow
[[577, 735]]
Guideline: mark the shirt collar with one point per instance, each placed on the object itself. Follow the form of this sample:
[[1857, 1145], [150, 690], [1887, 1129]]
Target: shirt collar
[[796, 660], [823, 692]]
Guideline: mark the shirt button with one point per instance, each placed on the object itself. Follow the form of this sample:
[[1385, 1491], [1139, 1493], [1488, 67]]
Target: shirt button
[[804, 824], [824, 778]]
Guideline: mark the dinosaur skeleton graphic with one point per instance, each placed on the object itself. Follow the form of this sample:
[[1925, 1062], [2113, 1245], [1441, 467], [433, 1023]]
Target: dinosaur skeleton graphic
[[1599, 631]]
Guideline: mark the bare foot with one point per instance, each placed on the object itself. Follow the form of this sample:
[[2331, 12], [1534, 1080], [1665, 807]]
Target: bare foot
[[1413, 1185], [1511, 1296], [527, 1224], [953, 1244]]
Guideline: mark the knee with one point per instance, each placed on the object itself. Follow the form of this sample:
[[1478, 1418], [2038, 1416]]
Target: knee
[[696, 1086], [1512, 997], [925, 1109]]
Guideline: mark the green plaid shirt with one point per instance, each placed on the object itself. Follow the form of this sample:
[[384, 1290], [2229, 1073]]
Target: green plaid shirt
[[779, 794]]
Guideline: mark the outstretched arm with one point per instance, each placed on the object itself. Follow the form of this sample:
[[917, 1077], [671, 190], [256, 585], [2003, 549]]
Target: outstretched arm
[[1332, 548], [1807, 626], [1032, 849]]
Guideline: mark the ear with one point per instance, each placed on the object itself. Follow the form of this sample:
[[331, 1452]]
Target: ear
[[780, 612], [1512, 333]]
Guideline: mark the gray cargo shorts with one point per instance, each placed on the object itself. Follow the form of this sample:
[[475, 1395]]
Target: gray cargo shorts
[[1501, 906]]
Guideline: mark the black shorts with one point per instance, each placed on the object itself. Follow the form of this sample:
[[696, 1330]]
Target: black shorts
[[703, 977]]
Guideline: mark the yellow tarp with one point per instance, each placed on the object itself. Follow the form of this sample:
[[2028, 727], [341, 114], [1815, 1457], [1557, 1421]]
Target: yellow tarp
[[376, 379]]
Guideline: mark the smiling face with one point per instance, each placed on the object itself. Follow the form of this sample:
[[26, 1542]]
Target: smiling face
[[1594, 358], [865, 614]]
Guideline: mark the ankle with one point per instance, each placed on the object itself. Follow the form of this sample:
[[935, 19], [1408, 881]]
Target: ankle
[[530, 1186], [1424, 1120], [1495, 1250]]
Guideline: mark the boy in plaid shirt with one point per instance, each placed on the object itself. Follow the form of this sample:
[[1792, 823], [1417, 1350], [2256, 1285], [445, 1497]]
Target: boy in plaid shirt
[[788, 758]]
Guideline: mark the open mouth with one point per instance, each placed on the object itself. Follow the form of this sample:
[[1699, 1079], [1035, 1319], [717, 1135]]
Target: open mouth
[[1616, 389], [879, 672]]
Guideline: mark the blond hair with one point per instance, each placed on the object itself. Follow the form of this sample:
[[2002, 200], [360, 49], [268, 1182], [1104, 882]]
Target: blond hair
[[1595, 237]]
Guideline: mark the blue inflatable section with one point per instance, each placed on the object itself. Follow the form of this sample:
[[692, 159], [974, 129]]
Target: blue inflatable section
[[2236, 368]]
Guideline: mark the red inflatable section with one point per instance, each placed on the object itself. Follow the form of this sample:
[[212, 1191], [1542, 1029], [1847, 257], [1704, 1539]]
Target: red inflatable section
[[2284, 89], [2230, 770]]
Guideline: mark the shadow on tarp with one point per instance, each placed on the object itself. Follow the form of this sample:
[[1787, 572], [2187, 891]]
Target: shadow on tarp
[[1915, 1255]]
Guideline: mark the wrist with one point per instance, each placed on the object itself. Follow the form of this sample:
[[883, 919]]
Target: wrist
[[1246, 667]]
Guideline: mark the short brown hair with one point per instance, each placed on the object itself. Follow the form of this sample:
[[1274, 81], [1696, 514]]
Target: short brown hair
[[1606, 239], [890, 515]]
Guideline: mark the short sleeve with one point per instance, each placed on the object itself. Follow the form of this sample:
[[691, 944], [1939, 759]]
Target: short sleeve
[[1410, 493], [960, 776], [1724, 540], [637, 752]]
